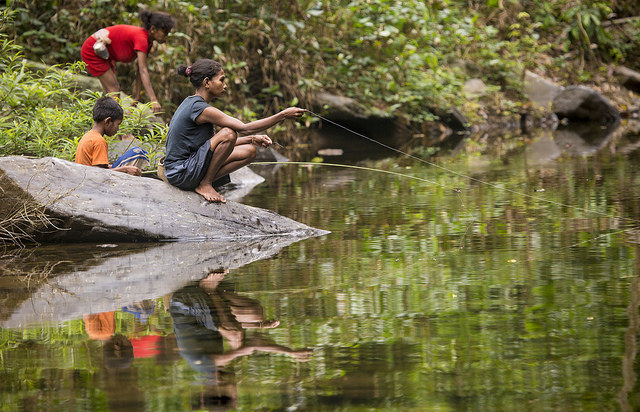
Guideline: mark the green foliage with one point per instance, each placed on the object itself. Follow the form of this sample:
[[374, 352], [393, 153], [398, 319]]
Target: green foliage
[[40, 117], [53, 31], [585, 24], [577, 27], [402, 58], [41, 114]]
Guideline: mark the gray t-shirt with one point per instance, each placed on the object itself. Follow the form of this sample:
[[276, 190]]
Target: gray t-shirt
[[185, 136]]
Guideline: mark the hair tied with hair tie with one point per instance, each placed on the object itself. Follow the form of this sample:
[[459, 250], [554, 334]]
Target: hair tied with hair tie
[[188, 71]]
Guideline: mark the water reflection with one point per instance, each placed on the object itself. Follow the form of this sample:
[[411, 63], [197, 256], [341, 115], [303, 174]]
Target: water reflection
[[584, 139], [577, 140], [144, 341], [60, 283], [116, 374], [420, 299], [206, 314]]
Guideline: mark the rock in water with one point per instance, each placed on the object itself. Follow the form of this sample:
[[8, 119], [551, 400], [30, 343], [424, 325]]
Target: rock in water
[[628, 78], [539, 90], [95, 204], [580, 103]]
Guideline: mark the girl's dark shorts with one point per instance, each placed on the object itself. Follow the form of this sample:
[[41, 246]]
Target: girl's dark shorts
[[189, 174]]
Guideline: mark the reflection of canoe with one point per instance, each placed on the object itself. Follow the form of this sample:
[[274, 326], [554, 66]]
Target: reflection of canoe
[[102, 205], [92, 280]]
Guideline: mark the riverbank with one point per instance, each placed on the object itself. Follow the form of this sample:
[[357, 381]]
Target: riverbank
[[442, 71], [410, 60]]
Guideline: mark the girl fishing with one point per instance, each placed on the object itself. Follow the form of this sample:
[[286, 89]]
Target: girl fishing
[[198, 158]]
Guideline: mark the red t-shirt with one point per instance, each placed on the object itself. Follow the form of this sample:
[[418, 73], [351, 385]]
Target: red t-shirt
[[126, 40], [146, 346]]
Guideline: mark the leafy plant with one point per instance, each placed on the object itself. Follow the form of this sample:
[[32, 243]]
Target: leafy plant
[[585, 25], [42, 115], [401, 58]]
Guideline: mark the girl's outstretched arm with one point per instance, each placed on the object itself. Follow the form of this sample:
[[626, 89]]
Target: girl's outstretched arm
[[221, 119]]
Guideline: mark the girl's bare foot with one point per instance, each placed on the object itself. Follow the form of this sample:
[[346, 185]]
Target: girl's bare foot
[[209, 193]]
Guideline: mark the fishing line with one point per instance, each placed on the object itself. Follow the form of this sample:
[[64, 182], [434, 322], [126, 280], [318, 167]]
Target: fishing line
[[583, 242], [350, 167], [152, 172], [403, 153], [470, 177]]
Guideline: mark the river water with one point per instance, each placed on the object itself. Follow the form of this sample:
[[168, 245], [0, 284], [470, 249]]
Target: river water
[[507, 279]]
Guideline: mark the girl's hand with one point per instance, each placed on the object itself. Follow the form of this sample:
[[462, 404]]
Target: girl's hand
[[293, 112], [261, 140], [155, 106]]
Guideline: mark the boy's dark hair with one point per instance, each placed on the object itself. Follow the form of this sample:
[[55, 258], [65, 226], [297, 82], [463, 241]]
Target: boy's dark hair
[[199, 71], [117, 352], [107, 107], [157, 19]]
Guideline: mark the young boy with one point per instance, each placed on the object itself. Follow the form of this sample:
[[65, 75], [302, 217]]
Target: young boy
[[92, 148]]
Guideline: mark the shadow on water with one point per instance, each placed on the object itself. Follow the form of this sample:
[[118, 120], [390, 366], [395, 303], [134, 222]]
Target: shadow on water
[[57, 283]]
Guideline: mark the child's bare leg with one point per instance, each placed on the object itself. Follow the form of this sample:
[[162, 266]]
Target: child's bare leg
[[239, 157], [222, 144], [109, 82]]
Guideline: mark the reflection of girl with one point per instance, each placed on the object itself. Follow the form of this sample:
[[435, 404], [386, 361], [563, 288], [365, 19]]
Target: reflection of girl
[[203, 316], [197, 329], [125, 43]]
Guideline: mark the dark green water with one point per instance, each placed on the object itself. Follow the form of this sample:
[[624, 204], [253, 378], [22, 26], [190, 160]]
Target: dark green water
[[421, 298]]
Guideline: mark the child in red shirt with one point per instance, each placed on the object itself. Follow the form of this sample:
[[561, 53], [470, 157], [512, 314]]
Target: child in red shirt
[[125, 43]]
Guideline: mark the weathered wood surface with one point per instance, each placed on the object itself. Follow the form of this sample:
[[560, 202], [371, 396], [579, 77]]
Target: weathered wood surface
[[102, 205], [628, 78]]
